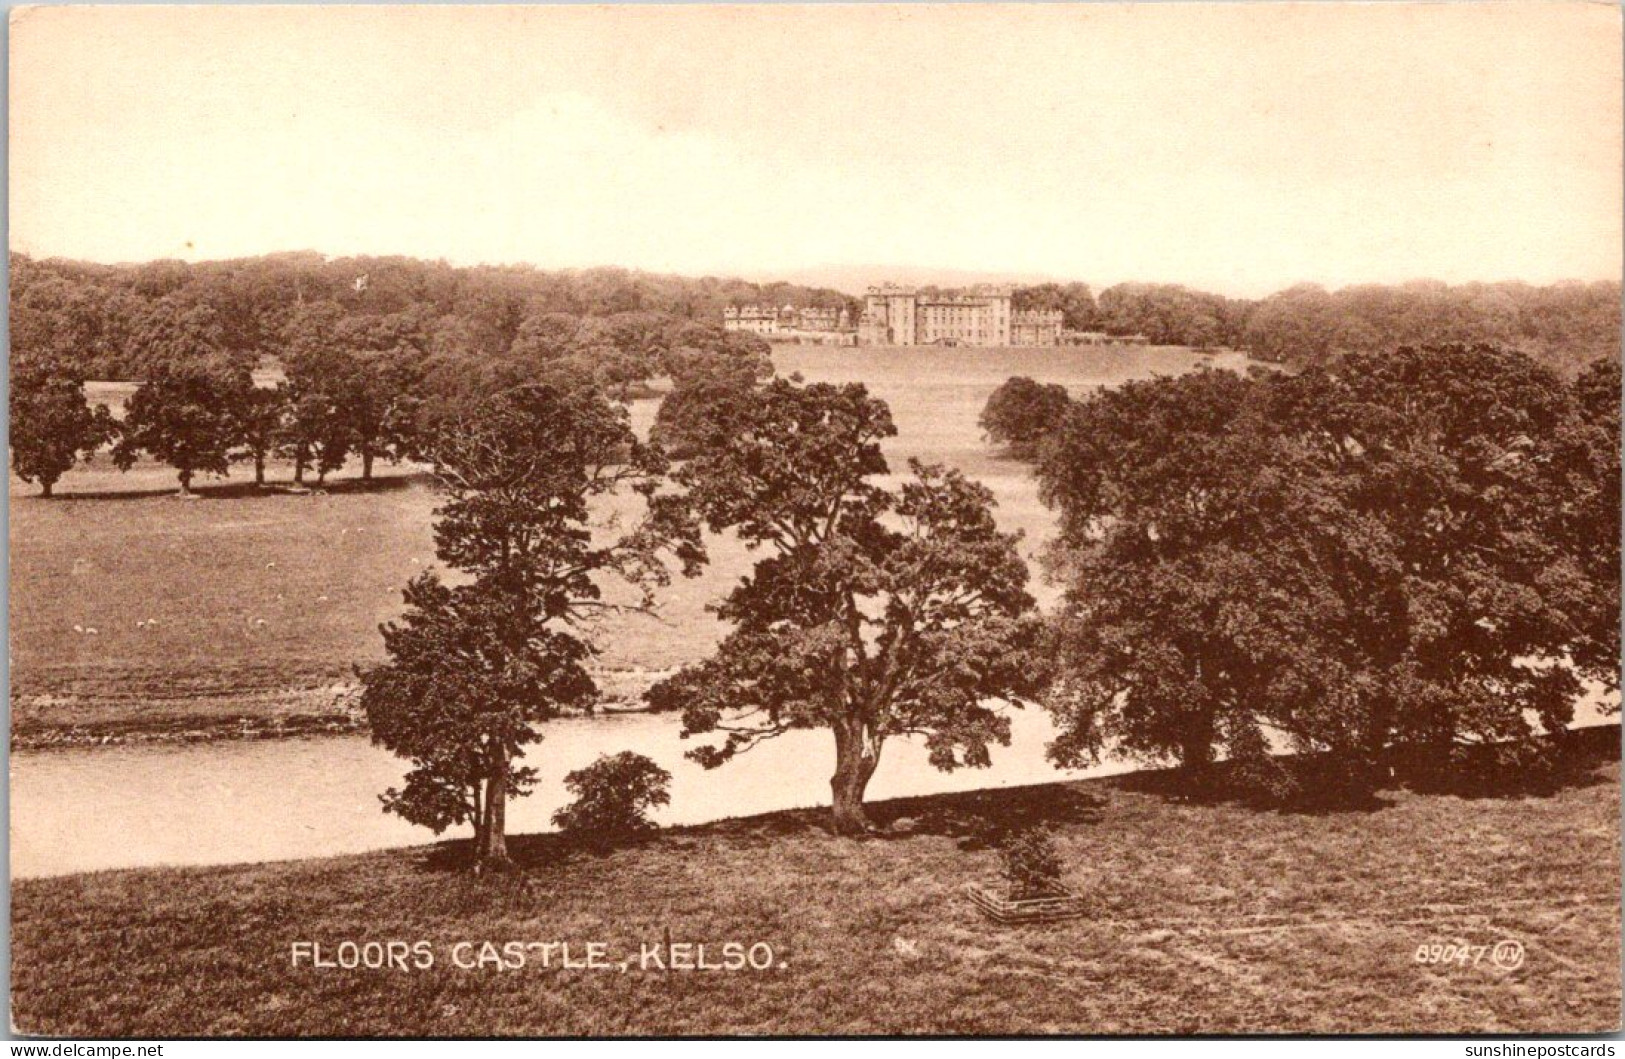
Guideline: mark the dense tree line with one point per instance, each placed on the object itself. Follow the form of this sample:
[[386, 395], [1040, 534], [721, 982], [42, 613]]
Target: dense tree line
[[1074, 301], [1564, 326], [114, 321], [1167, 314], [369, 364]]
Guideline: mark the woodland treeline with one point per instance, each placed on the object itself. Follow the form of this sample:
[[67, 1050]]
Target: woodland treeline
[[118, 321], [373, 352], [1564, 326], [106, 315]]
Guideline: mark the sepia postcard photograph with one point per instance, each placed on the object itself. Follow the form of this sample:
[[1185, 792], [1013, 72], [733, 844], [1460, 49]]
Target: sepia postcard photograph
[[814, 520]]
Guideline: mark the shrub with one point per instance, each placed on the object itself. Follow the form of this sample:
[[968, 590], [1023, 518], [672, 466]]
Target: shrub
[[612, 796], [1030, 864]]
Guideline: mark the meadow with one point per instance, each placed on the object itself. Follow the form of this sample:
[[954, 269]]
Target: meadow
[[134, 614], [1297, 922]]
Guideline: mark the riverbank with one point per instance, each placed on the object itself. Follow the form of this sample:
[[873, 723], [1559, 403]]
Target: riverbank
[[331, 709], [1203, 918]]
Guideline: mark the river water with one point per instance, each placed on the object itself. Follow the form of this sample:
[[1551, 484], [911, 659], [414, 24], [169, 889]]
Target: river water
[[221, 803], [215, 803]]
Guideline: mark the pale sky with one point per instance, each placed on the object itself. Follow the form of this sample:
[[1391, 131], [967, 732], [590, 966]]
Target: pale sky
[[1237, 148]]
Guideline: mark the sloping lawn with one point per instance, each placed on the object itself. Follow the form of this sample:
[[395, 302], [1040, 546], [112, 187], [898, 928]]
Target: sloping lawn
[[1204, 919]]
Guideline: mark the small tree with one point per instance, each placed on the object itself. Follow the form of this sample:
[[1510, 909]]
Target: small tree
[[474, 669], [53, 426], [1020, 412], [184, 415], [1030, 864], [872, 627], [613, 797]]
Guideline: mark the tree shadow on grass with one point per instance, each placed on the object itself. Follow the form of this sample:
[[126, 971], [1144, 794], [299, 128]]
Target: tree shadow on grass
[[244, 490], [1321, 784], [383, 484], [538, 853], [1538, 768], [1307, 784], [975, 818]]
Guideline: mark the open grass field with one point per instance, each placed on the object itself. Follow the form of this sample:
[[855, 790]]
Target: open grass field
[[1203, 918], [134, 613]]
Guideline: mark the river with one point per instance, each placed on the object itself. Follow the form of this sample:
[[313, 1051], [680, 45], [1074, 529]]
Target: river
[[221, 803], [218, 803]]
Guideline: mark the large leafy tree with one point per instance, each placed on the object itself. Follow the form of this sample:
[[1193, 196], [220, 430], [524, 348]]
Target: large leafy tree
[[184, 414], [316, 434], [382, 359], [53, 426], [476, 667], [876, 614], [354, 382], [1436, 472], [1361, 558], [1172, 624]]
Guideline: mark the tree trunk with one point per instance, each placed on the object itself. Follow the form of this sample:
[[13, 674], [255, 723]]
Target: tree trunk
[[481, 820], [259, 468], [1196, 751], [299, 458], [492, 852], [366, 465], [856, 755], [46, 485], [186, 481]]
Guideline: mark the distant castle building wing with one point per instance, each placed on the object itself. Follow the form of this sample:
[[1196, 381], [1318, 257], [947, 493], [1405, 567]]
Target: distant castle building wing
[[909, 316], [978, 316], [819, 324]]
